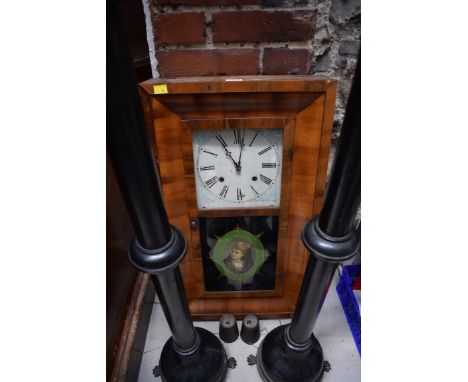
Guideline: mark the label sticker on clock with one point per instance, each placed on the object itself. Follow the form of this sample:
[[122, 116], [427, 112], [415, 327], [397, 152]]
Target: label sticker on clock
[[160, 89]]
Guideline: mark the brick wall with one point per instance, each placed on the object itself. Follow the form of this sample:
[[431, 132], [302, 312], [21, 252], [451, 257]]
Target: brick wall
[[246, 37]]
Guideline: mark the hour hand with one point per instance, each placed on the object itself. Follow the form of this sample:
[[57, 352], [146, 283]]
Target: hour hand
[[228, 153], [236, 164]]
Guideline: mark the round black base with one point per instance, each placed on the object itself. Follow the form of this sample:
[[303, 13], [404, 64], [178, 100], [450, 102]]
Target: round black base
[[276, 362], [207, 364]]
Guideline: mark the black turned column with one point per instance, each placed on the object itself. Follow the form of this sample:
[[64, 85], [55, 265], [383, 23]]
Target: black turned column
[[191, 354], [291, 352]]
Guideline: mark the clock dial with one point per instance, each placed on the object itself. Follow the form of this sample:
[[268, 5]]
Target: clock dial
[[238, 168]]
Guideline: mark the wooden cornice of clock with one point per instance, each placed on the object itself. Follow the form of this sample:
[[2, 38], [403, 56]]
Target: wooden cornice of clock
[[242, 163]]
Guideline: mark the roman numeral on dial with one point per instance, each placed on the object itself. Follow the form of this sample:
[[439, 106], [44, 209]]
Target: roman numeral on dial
[[253, 139], [238, 136], [264, 150], [240, 195], [205, 168], [268, 165], [221, 140], [209, 152], [265, 179], [211, 182], [224, 191]]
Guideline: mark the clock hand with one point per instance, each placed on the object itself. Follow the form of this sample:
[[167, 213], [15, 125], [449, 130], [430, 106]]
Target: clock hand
[[229, 155], [240, 156], [241, 144]]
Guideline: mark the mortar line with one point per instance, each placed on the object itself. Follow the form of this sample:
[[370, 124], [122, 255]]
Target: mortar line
[[208, 30], [235, 45], [165, 9], [260, 60]]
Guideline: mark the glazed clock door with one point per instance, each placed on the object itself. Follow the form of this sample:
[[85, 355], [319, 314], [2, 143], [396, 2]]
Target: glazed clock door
[[239, 170]]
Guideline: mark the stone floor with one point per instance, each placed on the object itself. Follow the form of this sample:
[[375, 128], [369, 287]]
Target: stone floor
[[331, 330]]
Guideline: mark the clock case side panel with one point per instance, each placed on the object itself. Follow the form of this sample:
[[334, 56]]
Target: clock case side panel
[[287, 124], [325, 143], [310, 148], [147, 103], [164, 132]]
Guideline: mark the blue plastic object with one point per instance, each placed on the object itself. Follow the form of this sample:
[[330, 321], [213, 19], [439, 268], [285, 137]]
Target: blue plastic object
[[348, 301]]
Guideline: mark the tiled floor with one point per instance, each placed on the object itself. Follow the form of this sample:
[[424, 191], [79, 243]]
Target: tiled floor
[[331, 330]]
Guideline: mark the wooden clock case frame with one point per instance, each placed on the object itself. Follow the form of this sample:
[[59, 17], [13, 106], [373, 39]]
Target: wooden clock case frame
[[304, 107]]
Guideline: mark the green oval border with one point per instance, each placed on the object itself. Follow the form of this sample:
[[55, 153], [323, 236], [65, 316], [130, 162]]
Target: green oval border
[[259, 254]]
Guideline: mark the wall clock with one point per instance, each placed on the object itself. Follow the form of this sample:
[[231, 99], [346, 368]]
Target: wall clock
[[243, 164]]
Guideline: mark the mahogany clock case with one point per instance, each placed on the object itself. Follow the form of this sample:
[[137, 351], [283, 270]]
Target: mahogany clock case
[[303, 107]]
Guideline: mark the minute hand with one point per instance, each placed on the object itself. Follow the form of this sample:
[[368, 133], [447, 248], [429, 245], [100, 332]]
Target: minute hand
[[240, 155]]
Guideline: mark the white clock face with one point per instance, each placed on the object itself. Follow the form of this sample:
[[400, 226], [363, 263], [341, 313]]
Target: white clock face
[[239, 168]]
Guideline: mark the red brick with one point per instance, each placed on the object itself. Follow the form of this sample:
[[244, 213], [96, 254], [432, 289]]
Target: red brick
[[286, 61], [216, 62], [179, 28], [260, 26], [207, 2]]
